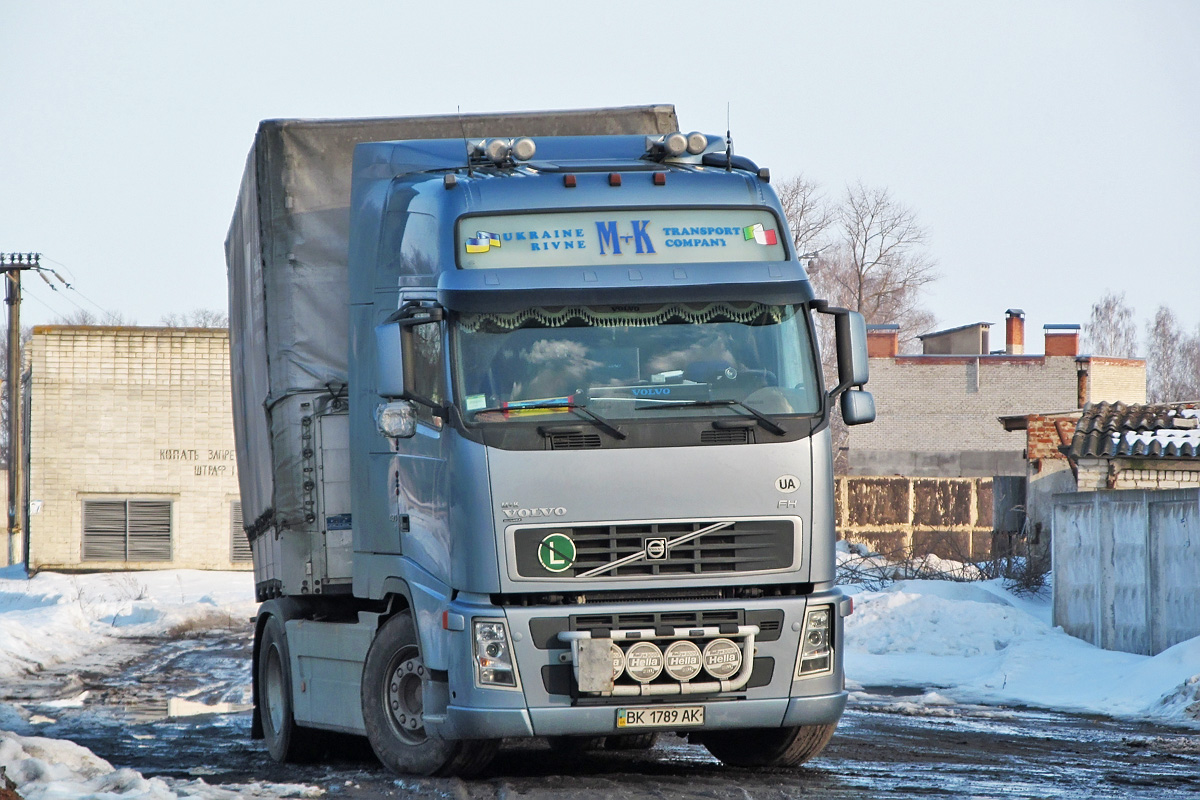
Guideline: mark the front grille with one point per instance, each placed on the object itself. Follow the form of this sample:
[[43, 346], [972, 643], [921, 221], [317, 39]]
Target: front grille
[[742, 546]]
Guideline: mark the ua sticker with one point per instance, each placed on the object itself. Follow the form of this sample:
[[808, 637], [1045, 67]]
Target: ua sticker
[[557, 552], [787, 483]]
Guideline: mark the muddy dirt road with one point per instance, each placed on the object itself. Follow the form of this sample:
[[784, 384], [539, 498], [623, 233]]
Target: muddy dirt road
[[178, 709]]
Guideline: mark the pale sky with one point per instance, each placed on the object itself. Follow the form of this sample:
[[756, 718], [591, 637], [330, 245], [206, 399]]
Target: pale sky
[[1051, 148]]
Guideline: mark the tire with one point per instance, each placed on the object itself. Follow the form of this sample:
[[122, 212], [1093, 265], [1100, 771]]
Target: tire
[[769, 747], [631, 741], [286, 741], [394, 679]]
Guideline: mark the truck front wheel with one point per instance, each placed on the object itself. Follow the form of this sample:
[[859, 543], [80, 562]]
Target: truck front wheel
[[393, 691], [769, 747], [286, 741]]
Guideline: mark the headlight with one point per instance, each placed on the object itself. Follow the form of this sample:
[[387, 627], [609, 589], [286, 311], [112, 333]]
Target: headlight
[[816, 643], [493, 659]]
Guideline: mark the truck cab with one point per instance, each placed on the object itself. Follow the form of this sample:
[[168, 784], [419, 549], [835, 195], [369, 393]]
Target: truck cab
[[590, 490]]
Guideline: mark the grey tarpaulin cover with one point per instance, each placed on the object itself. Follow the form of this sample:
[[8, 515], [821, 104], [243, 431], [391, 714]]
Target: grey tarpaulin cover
[[288, 289]]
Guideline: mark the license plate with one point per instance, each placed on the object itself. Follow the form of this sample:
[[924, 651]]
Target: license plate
[[660, 717]]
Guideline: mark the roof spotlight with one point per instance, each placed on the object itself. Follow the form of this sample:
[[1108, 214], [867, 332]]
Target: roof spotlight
[[697, 142], [523, 149], [497, 150], [674, 144]]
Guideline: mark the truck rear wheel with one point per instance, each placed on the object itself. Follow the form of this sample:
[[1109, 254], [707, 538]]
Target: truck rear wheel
[[393, 689], [769, 747], [286, 741]]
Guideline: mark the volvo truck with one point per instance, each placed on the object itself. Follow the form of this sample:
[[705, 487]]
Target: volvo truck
[[533, 440]]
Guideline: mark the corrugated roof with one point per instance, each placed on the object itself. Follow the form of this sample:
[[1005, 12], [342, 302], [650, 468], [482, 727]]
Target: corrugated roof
[[1116, 430]]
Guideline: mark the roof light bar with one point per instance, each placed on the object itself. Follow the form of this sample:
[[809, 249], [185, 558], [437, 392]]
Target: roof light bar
[[500, 151]]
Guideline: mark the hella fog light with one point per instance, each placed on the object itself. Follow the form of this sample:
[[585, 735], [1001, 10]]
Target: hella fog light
[[696, 142], [683, 660], [722, 658], [644, 662], [816, 643], [493, 660], [618, 659]]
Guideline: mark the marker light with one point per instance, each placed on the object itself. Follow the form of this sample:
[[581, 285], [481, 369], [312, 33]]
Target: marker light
[[675, 144], [493, 661], [697, 142], [523, 149]]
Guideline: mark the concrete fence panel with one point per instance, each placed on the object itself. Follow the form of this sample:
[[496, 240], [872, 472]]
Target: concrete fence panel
[[1127, 567]]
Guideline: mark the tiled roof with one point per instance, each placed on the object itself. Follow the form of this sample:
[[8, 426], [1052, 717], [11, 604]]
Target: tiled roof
[[1112, 430]]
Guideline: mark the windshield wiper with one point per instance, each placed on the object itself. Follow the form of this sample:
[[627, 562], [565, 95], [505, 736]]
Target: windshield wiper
[[550, 405], [762, 418]]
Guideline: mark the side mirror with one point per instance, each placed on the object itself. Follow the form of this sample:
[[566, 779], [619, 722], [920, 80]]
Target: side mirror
[[851, 331], [858, 406], [389, 360]]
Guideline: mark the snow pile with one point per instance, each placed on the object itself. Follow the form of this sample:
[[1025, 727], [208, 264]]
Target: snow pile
[[52, 618], [978, 643], [52, 769]]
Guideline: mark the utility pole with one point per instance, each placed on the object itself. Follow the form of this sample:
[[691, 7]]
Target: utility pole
[[13, 264]]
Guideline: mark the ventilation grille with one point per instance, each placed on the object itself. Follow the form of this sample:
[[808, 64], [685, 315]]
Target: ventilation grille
[[725, 436], [126, 530], [574, 441], [743, 546]]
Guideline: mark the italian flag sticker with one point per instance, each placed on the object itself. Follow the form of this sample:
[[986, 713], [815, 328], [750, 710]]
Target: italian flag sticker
[[759, 234]]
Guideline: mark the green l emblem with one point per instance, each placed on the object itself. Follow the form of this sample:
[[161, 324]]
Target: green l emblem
[[557, 552]]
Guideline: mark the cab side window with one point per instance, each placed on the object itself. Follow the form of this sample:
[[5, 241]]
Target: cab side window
[[428, 369]]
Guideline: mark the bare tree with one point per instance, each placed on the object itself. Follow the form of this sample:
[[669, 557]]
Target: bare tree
[[873, 255], [808, 213], [197, 318], [1112, 330], [1172, 359], [81, 316]]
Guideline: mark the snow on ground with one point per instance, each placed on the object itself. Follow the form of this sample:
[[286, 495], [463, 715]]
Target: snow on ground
[[948, 641], [51, 619], [978, 643]]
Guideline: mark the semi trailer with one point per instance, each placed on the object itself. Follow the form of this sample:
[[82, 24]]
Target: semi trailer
[[533, 440]]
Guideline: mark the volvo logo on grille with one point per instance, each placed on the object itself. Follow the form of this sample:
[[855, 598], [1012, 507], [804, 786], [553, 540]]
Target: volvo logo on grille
[[656, 548]]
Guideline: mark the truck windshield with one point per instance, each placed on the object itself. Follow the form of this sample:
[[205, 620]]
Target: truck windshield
[[621, 360]]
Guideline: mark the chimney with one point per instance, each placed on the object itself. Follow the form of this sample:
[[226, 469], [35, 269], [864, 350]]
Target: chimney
[[1014, 332], [1062, 340], [883, 341]]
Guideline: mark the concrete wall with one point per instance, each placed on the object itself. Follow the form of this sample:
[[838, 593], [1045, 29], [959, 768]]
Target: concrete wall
[[1126, 566], [131, 413], [902, 516]]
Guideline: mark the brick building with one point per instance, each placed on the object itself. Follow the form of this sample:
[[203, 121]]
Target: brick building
[[936, 412], [131, 453], [920, 478]]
